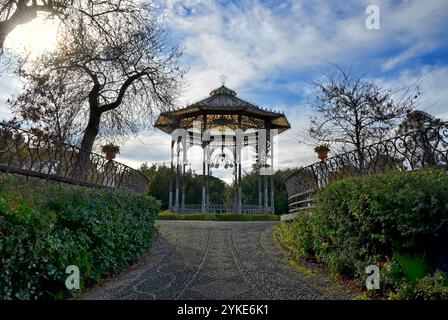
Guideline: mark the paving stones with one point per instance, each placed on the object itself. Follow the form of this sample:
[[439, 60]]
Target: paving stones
[[216, 260]]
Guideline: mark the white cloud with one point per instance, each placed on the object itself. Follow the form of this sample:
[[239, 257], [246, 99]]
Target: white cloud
[[9, 85], [275, 47], [251, 42], [433, 82], [407, 55], [150, 147]]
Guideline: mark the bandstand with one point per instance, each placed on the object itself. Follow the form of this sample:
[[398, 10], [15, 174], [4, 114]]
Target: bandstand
[[222, 125]]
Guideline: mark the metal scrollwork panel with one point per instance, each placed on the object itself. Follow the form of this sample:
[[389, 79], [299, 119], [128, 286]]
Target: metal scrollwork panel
[[32, 154], [423, 148]]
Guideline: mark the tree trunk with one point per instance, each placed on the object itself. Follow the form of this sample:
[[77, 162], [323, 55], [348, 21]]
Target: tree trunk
[[90, 133], [358, 146]]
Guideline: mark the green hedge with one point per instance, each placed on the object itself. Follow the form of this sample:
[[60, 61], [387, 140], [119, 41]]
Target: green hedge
[[44, 229], [371, 220]]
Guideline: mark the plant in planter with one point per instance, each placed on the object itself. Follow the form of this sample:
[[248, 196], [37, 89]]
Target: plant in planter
[[322, 151], [110, 150]]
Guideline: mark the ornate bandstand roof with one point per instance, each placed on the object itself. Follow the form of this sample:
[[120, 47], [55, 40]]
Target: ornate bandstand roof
[[222, 110]]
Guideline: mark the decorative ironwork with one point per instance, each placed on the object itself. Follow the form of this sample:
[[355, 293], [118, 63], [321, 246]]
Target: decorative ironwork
[[26, 153], [423, 148], [221, 208], [221, 121], [222, 110]]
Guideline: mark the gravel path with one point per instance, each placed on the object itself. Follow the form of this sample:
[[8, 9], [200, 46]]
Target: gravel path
[[216, 260]]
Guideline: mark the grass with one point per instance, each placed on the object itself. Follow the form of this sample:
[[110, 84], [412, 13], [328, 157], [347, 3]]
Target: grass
[[166, 215], [307, 272]]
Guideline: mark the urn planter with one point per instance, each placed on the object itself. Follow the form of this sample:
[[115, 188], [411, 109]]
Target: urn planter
[[322, 152], [110, 150]]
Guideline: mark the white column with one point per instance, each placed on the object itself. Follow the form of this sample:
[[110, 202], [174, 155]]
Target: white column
[[183, 188], [176, 208], [266, 205], [203, 208], [170, 196], [272, 195]]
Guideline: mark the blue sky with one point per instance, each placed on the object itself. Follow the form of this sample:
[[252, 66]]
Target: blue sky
[[272, 51]]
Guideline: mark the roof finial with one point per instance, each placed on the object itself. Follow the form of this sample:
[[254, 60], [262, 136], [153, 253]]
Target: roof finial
[[223, 79]]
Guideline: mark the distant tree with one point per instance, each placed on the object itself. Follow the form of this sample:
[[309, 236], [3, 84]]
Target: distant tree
[[354, 111], [249, 185], [159, 185], [417, 120], [220, 192], [159, 181], [421, 149]]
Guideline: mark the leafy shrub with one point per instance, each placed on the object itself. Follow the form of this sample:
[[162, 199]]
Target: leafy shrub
[[44, 229], [392, 276], [430, 287], [296, 236], [364, 221]]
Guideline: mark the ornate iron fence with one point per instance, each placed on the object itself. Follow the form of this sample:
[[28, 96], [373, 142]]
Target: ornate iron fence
[[423, 148], [222, 208], [26, 153]]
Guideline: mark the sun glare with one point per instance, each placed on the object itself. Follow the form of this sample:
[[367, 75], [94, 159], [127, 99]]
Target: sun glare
[[35, 37]]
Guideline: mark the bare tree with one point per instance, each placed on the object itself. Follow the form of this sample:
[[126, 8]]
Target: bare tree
[[354, 111], [118, 81], [17, 12], [49, 107]]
